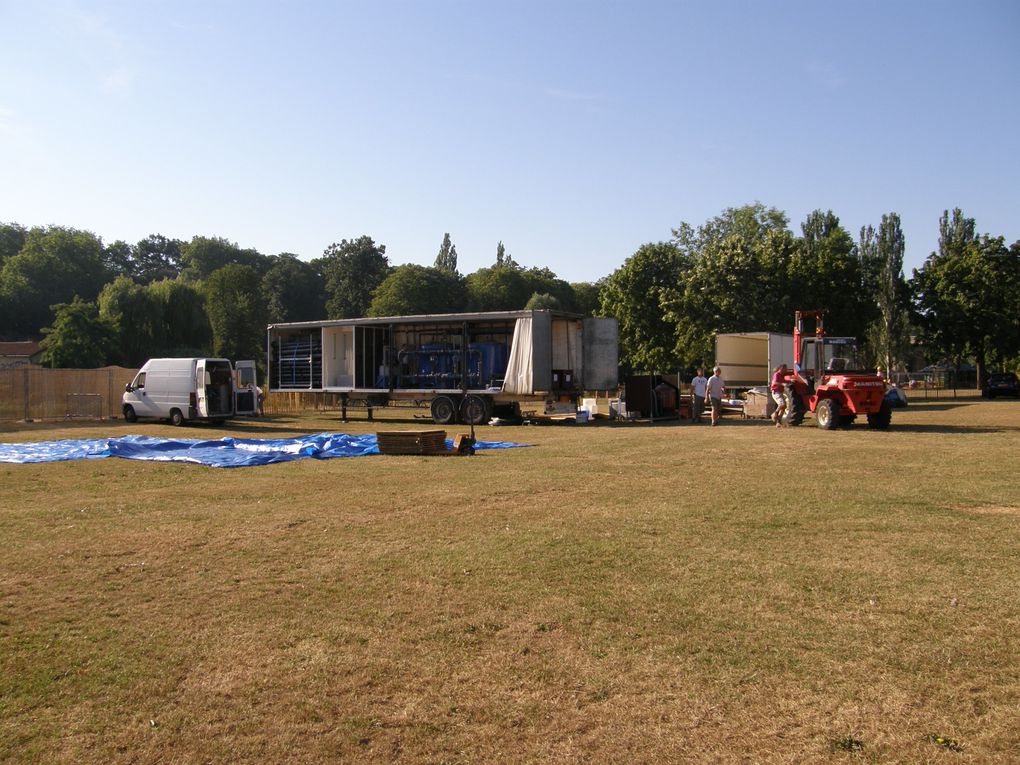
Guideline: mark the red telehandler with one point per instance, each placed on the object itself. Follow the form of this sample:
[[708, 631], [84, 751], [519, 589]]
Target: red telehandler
[[831, 383]]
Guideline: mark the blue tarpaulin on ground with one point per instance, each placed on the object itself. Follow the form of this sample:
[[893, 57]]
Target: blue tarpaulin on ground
[[223, 452]]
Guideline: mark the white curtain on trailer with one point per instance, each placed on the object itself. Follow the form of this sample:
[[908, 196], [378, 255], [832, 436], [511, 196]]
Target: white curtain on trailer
[[518, 378], [568, 347]]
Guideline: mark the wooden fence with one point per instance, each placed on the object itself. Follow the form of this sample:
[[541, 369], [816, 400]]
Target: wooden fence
[[31, 393], [35, 393], [292, 402]]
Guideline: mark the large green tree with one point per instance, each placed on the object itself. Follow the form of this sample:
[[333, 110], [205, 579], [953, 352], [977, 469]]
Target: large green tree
[[204, 254], [633, 294], [236, 310], [12, 239], [446, 260], [542, 281], [739, 284], [825, 274], [892, 293], [543, 301], [734, 276], [53, 266], [293, 290], [412, 289], [185, 324], [748, 223], [498, 288], [118, 257], [352, 270], [504, 258], [135, 317], [156, 258], [78, 338], [586, 297], [967, 295]]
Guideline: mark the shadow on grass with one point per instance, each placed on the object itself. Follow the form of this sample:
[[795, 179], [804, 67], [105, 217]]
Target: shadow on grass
[[959, 429], [939, 407], [809, 424]]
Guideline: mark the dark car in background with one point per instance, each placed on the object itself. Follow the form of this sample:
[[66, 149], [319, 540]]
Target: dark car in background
[[1002, 384]]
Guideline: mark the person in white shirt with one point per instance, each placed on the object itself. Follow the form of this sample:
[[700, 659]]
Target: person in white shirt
[[699, 388], [716, 387]]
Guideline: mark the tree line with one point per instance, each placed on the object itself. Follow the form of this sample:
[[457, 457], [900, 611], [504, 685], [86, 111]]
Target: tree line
[[745, 270], [95, 304], [742, 270]]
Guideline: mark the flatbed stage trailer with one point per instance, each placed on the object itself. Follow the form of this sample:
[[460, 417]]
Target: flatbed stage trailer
[[465, 367]]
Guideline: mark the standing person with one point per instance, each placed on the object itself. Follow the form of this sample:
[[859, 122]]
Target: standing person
[[699, 389], [778, 391], [260, 400], [716, 387]]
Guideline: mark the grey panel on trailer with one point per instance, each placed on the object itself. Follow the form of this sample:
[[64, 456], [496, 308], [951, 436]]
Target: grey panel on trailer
[[601, 354], [541, 349]]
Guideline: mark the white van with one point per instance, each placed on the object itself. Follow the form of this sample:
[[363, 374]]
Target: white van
[[190, 389]]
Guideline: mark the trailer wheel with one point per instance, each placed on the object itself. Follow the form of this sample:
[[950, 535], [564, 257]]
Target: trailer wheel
[[129, 414], [444, 410], [474, 410], [176, 418], [825, 414], [880, 420]]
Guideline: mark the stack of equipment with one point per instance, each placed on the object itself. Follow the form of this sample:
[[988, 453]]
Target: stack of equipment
[[427, 442]]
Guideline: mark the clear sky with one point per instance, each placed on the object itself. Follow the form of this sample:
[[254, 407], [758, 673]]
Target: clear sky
[[572, 131]]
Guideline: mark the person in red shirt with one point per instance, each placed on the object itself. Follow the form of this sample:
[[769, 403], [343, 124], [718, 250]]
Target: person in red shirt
[[778, 391]]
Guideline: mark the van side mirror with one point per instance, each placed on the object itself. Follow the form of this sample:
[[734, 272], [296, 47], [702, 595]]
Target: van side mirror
[[128, 388]]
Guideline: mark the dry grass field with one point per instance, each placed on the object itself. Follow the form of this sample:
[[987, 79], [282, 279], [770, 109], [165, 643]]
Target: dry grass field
[[615, 594]]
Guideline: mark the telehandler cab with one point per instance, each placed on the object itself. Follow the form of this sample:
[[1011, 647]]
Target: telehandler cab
[[831, 383]]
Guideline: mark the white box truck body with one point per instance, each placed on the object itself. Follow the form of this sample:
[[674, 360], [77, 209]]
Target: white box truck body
[[187, 389], [748, 358]]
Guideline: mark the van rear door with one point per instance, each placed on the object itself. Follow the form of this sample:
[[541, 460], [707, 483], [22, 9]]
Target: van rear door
[[245, 394], [202, 379]]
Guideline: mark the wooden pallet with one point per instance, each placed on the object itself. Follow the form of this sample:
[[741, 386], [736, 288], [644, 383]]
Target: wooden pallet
[[427, 442]]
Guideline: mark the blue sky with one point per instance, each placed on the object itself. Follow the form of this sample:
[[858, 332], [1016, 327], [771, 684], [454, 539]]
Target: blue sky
[[572, 131]]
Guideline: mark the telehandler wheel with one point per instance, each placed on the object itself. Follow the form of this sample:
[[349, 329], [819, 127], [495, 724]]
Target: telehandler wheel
[[880, 420], [826, 414], [444, 410], [798, 407]]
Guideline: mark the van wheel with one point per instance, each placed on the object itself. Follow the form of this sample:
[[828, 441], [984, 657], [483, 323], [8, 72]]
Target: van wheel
[[176, 418], [129, 414]]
